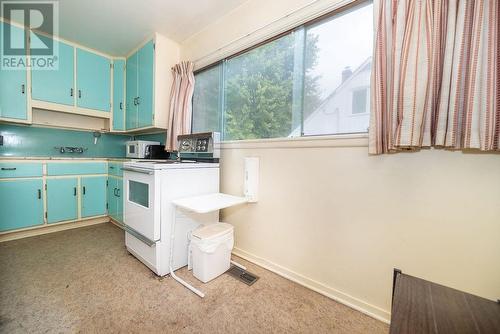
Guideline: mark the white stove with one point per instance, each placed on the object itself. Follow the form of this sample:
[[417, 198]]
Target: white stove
[[150, 187], [169, 164]]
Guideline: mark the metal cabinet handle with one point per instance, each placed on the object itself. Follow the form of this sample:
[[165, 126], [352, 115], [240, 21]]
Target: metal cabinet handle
[[74, 191], [114, 192], [9, 168], [39, 193], [138, 100], [22, 88], [84, 190], [121, 105], [135, 101], [71, 92], [111, 167], [118, 193], [79, 93]]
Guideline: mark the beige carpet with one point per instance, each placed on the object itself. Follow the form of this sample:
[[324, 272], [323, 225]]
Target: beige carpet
[[84, 280]]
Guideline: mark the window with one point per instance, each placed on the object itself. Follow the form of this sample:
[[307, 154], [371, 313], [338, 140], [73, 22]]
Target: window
[[338, 58], [207, 100], [359, 101], [310, 81], [258, 92]]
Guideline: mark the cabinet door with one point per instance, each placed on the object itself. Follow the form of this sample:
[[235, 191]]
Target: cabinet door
[[118, 95], [62, 203], [55, 85], [111, 198], [93, 81], [115, 168], [21, 204], [131, 92], [13, 101], [119, 200], [93, 191], [145, 85]]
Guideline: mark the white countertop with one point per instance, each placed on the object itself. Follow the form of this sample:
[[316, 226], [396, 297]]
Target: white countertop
[[66, 158], [209, 202]]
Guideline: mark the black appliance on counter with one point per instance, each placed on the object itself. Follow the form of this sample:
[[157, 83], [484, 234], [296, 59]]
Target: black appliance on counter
[[156, 152]]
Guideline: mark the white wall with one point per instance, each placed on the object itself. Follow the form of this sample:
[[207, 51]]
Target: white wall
[[211, 43], [338, 220]]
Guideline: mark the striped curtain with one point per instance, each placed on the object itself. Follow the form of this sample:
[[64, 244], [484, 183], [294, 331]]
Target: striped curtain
[[181, 97], [435, 75]]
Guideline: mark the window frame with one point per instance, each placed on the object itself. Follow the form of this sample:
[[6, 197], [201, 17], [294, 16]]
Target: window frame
[[298, 28]]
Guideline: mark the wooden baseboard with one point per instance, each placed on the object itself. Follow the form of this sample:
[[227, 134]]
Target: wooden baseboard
[[330, 292], [51, 229]]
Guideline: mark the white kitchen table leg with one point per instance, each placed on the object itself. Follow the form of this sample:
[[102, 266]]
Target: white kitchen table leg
[[171, 262]]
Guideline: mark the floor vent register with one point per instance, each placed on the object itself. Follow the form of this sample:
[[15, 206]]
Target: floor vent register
[[243, 275]]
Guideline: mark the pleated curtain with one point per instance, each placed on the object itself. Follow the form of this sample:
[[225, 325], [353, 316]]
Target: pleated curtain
[[181, 96], [435, 75]]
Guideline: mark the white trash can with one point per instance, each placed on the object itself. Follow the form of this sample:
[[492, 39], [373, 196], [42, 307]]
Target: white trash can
[[210, 250]]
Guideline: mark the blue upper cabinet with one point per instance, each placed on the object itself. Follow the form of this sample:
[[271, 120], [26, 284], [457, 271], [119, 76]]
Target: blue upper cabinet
[[93, 81], [13, 87], [140, 87], [145, 85], [118, 95], [55, 85], [131, 92]]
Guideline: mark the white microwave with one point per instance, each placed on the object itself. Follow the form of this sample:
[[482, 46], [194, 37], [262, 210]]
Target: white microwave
[[137, 148]]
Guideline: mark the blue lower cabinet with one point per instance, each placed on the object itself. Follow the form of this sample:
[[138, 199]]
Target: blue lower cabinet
[[112, 197], [115, 200], [21, 204], [115, 168], [62, 200], [119, 200], [93, 195], [72, 168], [14, 169]]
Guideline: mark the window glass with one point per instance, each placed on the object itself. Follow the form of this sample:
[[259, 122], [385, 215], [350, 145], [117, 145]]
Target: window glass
[[139, 193], [359, 101], [258, 92], [314, 80], [206, 100], [337, 63]]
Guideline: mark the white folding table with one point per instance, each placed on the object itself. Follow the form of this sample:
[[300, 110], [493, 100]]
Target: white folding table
[[201, 204]]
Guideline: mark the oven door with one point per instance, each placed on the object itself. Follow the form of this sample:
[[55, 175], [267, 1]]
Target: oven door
[[141, 208]]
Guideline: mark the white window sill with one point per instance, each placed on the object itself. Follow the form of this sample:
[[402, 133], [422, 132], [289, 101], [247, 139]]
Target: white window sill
[[344, 140]]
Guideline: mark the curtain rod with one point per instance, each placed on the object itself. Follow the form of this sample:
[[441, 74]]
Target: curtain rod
[[336, 5]]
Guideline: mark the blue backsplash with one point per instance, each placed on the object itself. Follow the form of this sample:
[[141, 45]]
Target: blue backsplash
[[31, 141], [161, 137]]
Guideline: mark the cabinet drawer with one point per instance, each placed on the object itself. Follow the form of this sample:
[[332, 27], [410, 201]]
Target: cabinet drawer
[[77, 168], [20, 169], [115, 168]]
